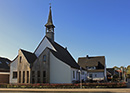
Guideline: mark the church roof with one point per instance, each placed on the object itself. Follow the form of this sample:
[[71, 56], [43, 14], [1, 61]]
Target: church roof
[[63, 55], [31, 57], [4, 64]]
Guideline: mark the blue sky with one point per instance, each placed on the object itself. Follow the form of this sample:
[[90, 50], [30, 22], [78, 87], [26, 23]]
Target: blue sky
[[93, 27]]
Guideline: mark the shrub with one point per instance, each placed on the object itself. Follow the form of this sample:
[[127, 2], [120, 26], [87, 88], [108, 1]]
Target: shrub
[[77, 85]]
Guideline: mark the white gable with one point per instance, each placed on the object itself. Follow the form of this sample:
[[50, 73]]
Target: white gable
[[44, 43], [13, 67]]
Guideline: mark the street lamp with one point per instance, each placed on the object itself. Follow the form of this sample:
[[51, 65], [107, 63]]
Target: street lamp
[[80, 71]]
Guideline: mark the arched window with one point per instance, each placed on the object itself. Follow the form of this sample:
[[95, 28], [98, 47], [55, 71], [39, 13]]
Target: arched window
[[44, 58]]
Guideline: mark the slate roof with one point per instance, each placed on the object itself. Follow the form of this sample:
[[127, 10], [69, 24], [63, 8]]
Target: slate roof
[[31, 57], [98, 62], [4, 64], [63, 54]]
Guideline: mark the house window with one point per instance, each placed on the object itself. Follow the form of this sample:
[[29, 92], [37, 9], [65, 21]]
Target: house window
[[23, 76], [44, 58], [0, 62], [91, 68], [95, 75], [90, 75], [82, 73], [38, 73], [73, 74], [20, 59], [27, 76], [14, 75], [19, 76]]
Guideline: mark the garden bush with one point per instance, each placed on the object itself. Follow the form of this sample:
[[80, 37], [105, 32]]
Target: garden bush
[[84, 85]]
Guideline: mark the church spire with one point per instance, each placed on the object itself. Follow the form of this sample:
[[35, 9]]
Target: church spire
[[50, 22], [50, 27]]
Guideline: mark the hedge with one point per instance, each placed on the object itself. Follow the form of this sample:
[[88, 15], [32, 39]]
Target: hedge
[[84, 85]]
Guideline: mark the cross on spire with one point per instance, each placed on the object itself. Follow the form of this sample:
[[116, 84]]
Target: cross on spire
[[50, 5]]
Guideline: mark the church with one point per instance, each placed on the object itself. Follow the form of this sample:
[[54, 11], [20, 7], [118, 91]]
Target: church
[[49, 63]]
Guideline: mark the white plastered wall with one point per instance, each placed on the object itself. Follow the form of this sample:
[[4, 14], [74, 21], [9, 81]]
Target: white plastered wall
[[99, 75], [45, 43], [59, 71], [13, 67]]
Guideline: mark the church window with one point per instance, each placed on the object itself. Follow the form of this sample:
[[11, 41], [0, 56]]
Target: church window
[[73, 74], [14, 75], [33, 80], [38, 76], [23, 76], [44, 58], [27, 76], [19, 76], [44, 80], [20, 59], [44, 74], [38, 73], [38, 80]]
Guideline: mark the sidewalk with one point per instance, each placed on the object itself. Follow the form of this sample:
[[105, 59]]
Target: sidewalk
[[116, 90]]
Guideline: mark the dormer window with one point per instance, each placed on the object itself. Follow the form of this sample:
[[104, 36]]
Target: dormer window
[[20, 59], [44, 58], [91, 68]]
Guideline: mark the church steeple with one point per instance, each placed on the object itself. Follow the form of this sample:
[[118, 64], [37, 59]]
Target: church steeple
[[50, 27]]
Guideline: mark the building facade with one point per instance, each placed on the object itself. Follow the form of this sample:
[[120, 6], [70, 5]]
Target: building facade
[[4, 70], [95, 66], [49, 63]]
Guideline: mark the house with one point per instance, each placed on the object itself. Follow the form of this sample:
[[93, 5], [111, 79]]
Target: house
[[49, 63], [95, 66], [4, 70], [128, 71], [111, 74], [122, 72]]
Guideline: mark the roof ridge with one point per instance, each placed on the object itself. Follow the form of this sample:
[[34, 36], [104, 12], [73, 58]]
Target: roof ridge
[[93, 57], [26, 51]]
